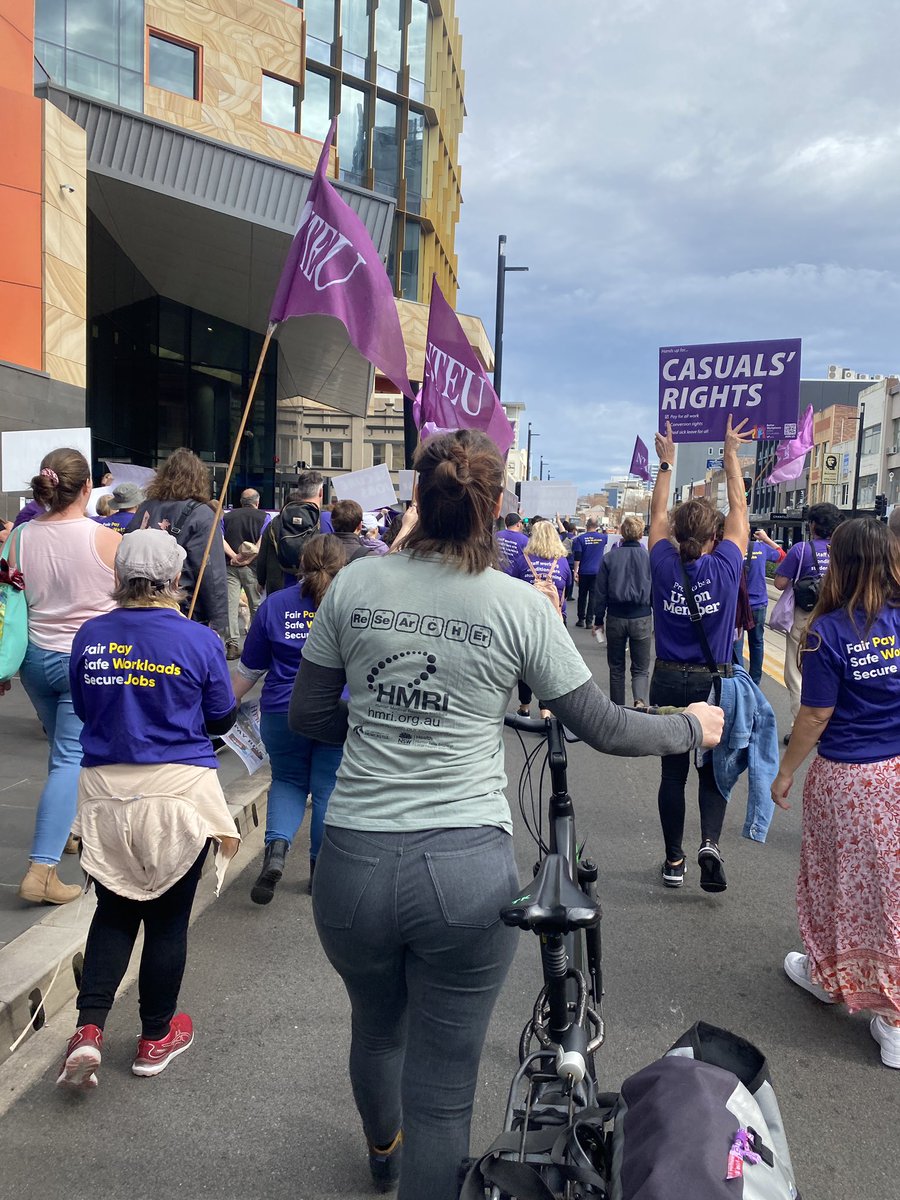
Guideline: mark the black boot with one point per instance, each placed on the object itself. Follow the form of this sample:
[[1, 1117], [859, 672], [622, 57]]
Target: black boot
[[272, 870]]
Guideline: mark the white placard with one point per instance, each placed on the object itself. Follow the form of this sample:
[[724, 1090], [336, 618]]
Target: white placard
[[405, 482], [372, 488], [21, 452], [510, 502], [548, 499], [130, 473]]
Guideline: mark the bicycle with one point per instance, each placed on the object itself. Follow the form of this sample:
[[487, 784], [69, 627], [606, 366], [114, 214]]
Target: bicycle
[[553, 1144]]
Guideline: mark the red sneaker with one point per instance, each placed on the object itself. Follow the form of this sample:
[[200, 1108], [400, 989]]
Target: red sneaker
[[153, 1057], [82, 1058]]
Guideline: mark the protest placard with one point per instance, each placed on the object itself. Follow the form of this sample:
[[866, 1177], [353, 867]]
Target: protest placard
[[405, 480], [548, 499], [21, 452], [372, 487], [700, 385]]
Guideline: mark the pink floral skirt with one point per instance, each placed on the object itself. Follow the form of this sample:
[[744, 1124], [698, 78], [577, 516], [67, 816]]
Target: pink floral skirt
[[848, 892]]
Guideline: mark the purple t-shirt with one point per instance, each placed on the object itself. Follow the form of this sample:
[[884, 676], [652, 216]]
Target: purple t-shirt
[[714, 581], [588, 550], [145, 681], [791, 562], [859, 676], [560, 575], [275, 644], [510, 544], [760, 554]]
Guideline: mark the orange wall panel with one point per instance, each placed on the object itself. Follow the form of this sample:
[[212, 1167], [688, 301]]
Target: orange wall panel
[[20, 325], [20, 248], [20, 120], [17, 45]]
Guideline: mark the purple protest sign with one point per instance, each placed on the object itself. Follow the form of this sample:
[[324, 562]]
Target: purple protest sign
[[700, 385], [456, 393], [640, 461], [333, 268]]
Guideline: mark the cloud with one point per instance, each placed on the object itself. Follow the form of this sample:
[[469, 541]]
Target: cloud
[[674, 172]]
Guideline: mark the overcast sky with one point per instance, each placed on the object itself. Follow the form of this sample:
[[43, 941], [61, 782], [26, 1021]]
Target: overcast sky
[[675, 171]]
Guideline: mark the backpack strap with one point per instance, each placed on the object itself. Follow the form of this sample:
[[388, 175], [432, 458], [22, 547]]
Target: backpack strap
[[697, 623], [183, 514]]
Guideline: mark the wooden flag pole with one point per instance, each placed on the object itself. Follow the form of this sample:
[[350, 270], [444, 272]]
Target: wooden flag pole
[[220, 504]]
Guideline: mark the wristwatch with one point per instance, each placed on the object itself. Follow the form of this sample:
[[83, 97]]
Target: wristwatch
[[664, 466]]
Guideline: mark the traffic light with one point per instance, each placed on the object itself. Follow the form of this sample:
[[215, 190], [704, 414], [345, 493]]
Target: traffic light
[[881, 506]]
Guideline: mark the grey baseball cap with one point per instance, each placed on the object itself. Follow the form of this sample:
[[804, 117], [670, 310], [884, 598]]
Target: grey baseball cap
[[127, 495], [149, 554]]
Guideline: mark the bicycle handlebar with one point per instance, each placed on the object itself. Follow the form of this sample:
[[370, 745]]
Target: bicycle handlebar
[[526, 724]]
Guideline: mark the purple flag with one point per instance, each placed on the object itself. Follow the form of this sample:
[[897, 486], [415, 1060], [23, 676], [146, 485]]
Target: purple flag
[[333, 268], [456, 393], [640, 461], [700, 385], [791, 455]]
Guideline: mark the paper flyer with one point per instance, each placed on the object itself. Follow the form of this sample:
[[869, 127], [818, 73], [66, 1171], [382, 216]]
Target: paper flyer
[[245, 739]]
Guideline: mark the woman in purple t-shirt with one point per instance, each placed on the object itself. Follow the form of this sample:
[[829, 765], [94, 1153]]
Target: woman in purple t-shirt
[[300, 766], [848, 892], [682, 674]]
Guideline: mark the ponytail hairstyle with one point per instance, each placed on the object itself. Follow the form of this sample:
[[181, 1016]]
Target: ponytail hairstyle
[[460, 480], [322, 558], [61, 478], [693, 526]]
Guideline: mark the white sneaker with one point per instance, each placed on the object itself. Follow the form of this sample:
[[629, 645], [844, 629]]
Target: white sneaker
[[888, 1038], [796, 967]]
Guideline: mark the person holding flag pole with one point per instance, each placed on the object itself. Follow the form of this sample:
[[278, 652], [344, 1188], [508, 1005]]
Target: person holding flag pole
[[332, 269]]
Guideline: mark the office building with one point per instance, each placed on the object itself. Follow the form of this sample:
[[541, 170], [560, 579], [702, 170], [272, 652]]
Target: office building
[[158, 156]]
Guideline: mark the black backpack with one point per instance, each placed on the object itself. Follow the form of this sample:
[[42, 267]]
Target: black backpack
[[297, 522], [808, 586]]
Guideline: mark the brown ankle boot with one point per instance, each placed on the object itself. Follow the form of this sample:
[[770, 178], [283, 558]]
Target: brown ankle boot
[[42, 885]]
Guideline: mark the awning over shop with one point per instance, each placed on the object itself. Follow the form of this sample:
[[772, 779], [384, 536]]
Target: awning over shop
[[209, 226]]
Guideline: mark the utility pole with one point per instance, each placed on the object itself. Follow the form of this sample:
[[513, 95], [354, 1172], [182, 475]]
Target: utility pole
[[541, 471], [859, 442], [502, 268], [528, 452]]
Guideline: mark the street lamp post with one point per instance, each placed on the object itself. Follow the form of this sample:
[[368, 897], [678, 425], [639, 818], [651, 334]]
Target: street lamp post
[[541, 471], [859, 442], [528, 452], [502, 268]]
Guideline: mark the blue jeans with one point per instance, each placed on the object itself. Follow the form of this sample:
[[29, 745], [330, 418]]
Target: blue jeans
[[410, 921], [300, 767], [45, 677], [756, 641]]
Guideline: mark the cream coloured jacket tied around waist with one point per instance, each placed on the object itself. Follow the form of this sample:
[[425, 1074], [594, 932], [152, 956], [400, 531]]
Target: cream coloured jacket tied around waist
[[142, 827]]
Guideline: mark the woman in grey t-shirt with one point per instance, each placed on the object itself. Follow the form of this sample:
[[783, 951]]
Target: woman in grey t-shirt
[[417, 858]]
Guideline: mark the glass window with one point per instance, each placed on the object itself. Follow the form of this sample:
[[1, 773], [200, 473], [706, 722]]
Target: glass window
[[415, 143], [92, 77], [173, 66], [388, 42], [871, 441], [50, 21], [131, 35], [131, 90], [379, 453], [92, 27], [317, 454], [316, 109], [353, 128], [417, 47], [867, 485], [392, 252], [409, 280], [355, 30], [337, 455], [280, 103], [52, 58], [319, 28], [385, 148]]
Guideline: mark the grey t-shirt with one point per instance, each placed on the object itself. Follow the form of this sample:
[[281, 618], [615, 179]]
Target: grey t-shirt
[[431, 655]]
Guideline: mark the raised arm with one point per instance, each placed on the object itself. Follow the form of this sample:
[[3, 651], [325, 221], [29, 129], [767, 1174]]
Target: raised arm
[[737, 523], [659, 502]]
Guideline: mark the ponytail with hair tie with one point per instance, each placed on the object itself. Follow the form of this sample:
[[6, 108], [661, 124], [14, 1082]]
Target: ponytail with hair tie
[[49, 473]]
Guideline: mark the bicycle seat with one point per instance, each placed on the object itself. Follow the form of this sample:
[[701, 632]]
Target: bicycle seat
[[552, 903]]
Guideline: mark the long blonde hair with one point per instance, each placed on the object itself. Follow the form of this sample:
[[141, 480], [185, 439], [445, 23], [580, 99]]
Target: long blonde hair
[[544, 541]]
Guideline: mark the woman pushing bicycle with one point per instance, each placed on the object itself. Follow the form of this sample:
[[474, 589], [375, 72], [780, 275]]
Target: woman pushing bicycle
[[417, 858]]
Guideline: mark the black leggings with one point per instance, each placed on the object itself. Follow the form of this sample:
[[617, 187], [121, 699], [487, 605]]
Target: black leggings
[[110, 942], [681, 688]]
